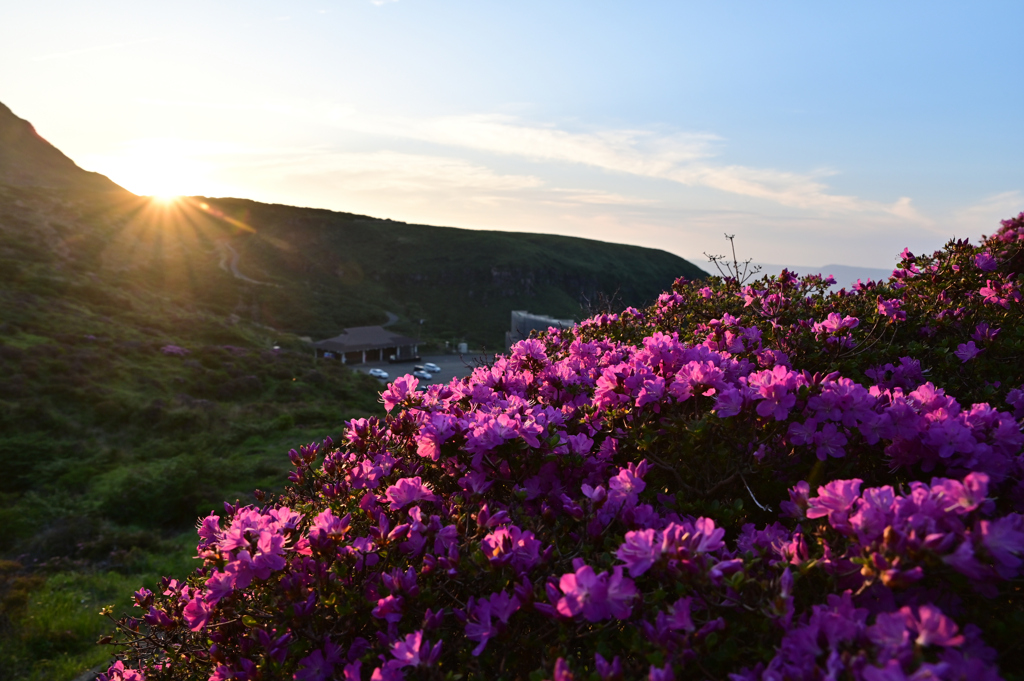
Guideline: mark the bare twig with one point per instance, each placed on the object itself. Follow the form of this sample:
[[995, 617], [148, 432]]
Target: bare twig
[[766, 508]]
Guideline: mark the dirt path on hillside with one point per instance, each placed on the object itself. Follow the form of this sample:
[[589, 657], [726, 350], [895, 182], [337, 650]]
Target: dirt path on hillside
[[229, 258]]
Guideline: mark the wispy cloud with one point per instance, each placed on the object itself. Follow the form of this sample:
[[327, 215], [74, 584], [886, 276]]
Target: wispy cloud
[[595, 196], [389, 170], [984, 215], [95, 48], [685, 158], [638, 152]]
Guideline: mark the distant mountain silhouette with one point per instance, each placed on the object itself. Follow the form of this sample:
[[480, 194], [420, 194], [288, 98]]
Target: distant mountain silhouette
[[27, 160], [845, 275]]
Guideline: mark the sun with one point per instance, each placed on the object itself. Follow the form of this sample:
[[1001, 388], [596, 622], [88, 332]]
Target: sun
[[165, 198], [163, 169]]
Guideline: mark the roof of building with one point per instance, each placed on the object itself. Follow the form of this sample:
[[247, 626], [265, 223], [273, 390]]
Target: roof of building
[[364, 338]]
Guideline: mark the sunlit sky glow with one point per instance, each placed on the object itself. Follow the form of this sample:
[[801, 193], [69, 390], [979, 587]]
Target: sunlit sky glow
[[816, 132]]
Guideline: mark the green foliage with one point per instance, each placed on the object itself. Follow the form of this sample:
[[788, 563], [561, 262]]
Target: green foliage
[[48, 615]]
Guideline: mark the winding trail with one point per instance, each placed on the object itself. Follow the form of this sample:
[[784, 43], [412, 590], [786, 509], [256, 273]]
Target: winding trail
[[229, 258]]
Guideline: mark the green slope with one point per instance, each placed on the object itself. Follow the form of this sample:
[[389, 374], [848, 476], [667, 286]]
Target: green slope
[[464, 283]]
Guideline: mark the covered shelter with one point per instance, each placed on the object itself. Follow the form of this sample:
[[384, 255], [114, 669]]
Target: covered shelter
[[362, 344]]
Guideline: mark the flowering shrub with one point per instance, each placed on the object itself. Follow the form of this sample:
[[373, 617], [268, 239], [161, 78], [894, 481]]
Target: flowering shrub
[[752, 482]]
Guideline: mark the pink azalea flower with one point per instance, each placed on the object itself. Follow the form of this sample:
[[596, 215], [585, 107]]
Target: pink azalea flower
[[196, 613], [413, 651], [594, 596], [407, 491], [389, 608], [397, 392]]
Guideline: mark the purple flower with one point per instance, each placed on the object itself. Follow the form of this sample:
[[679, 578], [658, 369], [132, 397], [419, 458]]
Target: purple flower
[[196, 613], [584, 592], [802, 433], [640, 550], [117, 672], [835, 323], [967, 351], [834, 500], [728, 402], [319, 665], [984, 333], [562, 672], [662, 673], [992, 294], [595, 596], [829, 442], [414, 651], [607, 670], [480, 628], [892, 671], [932, 627], [387, 673], [389, 609], [985, 262], [891, 309], [679, 615], [511, 545], [1004, 539], [621, 593], [158, 618]]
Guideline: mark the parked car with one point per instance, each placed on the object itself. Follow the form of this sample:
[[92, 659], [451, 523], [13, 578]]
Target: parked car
[[432, 368], [419, 373], [421, 367], [378, 373]]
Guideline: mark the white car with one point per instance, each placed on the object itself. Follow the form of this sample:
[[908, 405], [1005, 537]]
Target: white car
[[432, 368], [419, 373], [378, 373]]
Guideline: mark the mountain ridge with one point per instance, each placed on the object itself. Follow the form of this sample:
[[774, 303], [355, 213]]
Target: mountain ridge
[[27, 159]]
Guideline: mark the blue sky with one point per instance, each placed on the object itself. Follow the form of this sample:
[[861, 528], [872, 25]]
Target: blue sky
[[816, 132]]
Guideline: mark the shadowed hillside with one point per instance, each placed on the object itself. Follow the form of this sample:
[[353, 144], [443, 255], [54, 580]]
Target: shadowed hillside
[[345, 268]]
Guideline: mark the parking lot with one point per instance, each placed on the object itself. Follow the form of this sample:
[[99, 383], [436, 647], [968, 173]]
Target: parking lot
[[452, 366]]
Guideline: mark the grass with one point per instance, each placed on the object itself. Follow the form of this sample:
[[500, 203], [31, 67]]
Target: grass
[[112, 448], [50, 618]]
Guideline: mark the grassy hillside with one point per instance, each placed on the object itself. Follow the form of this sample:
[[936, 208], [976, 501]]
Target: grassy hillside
[[112, 440], [464, 283], [110, 446]]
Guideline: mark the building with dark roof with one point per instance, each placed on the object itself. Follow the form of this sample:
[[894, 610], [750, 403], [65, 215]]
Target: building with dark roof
[[362, 344]]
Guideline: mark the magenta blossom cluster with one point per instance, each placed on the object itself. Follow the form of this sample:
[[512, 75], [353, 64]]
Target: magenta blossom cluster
[[628, 499]]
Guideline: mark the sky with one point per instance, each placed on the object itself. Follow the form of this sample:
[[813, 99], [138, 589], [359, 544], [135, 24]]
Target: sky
[[816, 133]]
